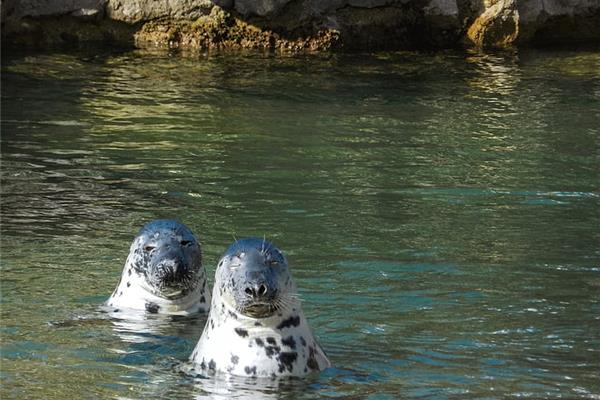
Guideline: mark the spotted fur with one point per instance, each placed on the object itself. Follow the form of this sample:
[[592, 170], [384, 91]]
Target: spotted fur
[[163, 273], [257, 327]]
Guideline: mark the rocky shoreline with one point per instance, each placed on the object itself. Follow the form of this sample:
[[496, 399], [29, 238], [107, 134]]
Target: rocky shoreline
[[301, 25]]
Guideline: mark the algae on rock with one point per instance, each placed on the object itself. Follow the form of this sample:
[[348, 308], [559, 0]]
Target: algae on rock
[[301, 25]]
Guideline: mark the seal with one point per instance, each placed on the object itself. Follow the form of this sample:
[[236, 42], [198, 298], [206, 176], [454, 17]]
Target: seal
[[163, 273], [256, 326]]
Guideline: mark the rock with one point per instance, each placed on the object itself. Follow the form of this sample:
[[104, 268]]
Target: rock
[[136, 11], [442, 22], [442, 8], [259, 7], [18, 9], [302, 24], [88, 14], [497, 26], [559, 21]]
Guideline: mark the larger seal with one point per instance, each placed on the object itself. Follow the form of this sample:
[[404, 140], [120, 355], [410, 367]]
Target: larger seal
[[256, 326], [163, 273]]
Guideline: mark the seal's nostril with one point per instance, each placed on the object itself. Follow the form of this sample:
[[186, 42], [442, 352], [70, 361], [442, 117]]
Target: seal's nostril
[[262, 290], [249, 291]]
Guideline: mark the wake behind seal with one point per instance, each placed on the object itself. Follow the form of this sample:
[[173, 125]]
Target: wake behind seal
[[256, 326], [163, 273]]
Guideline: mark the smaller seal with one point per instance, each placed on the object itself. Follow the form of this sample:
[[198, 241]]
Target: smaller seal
[[256, 326], [163, 273]]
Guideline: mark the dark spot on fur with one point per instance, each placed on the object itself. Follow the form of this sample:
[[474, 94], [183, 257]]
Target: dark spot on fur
[[128, 284], [203, 364], [120, 293], [202, 299], [257, 323], [234, 359], [289, 341], [241, 332], [302, 341], [312, 359], [152, 308], [232, 314], [117, 310], [271, 340], [286, 360], [212, 365], [212, 324], [250, 370], [259, 342], [270, 351], [290, 322]]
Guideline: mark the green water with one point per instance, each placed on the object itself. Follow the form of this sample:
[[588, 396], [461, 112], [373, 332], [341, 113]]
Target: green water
[[440, 213]]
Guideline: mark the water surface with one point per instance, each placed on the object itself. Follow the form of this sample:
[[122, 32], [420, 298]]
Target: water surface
[[440, 213]]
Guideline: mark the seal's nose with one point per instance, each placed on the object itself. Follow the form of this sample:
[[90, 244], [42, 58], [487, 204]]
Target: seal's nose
[[176, 266], [172, 269], [257, 289]]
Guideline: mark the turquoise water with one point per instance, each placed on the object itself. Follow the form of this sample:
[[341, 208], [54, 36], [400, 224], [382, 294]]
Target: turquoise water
[[440, 213]]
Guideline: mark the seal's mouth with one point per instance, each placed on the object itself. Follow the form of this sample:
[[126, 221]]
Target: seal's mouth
[[173, 293], [170, 284], [258, 309]]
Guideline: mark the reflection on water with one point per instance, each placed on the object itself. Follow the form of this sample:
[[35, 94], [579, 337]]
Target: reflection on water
[[439, 211]]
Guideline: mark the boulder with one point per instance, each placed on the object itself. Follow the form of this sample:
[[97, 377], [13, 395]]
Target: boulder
[[497, 26]]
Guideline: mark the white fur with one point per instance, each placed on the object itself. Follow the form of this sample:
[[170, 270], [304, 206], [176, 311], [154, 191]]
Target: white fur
[[133, 293], [220, 343], [137, 296]]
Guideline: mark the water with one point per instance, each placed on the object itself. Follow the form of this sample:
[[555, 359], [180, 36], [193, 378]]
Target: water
[[440, 213]]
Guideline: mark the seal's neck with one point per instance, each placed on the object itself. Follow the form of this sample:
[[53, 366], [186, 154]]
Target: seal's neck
[[133, 292], [228, 315]]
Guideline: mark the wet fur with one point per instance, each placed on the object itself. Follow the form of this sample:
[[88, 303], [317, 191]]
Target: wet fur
[[280, 344], [142, 285]]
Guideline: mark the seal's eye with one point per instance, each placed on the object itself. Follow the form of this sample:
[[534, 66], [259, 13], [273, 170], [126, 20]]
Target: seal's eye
[[149, 248], [186, 242], [273, 263]]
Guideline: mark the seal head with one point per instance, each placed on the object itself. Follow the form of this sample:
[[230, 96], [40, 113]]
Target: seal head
[[256, 326], [163, 272], [254, 278]]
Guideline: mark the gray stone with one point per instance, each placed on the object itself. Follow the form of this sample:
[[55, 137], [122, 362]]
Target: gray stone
[[533, 10], [259, 7], [88, 14], [134, 11], [48, 8], [442, 7], [370, 3]]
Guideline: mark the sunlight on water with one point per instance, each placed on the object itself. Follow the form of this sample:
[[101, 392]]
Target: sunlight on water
[[440, 213]]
